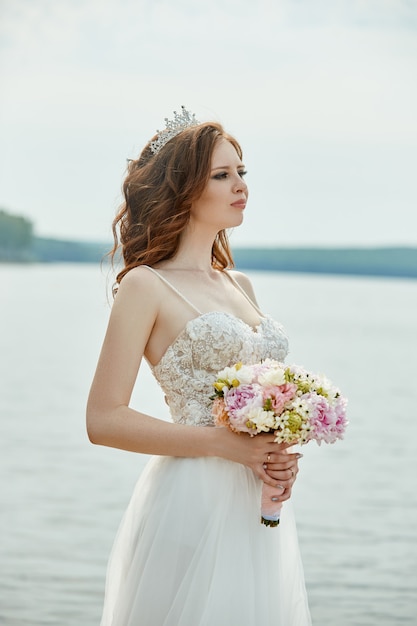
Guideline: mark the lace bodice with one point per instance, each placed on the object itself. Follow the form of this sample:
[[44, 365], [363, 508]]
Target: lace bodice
[[207, 344]]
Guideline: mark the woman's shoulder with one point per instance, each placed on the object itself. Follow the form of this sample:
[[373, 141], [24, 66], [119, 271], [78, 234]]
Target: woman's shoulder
[[244, 282], [140, 281]]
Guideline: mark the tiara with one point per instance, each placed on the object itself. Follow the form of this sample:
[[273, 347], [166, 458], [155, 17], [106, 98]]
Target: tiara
[[181, 121]]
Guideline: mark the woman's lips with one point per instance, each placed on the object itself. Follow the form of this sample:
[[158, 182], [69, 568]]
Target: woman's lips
[[240, 204]]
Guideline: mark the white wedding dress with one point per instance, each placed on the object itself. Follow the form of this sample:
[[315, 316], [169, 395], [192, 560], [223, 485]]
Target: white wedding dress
[[191, 550]]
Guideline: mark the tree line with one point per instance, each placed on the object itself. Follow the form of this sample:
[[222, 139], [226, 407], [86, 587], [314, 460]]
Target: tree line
[[19, 244], [16, 237]]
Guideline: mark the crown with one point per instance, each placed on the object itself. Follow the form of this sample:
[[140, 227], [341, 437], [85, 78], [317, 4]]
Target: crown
[[181, 121]]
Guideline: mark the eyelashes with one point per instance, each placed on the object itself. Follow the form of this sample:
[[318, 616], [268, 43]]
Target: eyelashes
[[224, 175]]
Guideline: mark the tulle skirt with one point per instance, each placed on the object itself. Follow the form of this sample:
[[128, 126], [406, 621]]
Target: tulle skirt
[[191, 551]]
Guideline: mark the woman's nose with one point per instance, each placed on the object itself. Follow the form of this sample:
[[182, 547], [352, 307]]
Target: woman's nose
[[240, 185]]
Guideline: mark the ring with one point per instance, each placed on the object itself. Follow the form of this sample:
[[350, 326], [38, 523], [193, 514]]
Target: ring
[[268, 458]]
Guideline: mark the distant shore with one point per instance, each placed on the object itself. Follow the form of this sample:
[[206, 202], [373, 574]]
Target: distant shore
[[19, 244], [396, 262]]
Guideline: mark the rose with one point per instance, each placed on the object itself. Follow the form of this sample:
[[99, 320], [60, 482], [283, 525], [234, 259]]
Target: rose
[[276, 397]]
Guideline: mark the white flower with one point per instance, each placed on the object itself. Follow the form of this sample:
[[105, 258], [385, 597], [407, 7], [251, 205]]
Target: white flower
[[263, 420], [301, 406], [274, 376], [244, 375], [238, 372]]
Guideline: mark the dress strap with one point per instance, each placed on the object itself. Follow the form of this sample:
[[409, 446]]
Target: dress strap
[[164, 280], [238, 286]]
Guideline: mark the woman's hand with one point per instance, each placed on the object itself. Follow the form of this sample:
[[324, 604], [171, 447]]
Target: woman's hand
[[282, 467], [270, 461]]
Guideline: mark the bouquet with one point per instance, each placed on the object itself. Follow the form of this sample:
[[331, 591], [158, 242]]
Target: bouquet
[[297, 406]]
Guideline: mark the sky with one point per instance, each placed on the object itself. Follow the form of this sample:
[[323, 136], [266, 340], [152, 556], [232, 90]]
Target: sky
[[322, 95]]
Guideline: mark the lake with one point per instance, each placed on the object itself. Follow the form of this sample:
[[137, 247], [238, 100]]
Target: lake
[[62, 498]]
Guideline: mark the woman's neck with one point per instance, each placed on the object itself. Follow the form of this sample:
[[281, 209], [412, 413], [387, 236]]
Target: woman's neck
[[185, 265], [193, 254]]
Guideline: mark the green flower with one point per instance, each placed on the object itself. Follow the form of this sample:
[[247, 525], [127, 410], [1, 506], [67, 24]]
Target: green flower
[[294, 422]]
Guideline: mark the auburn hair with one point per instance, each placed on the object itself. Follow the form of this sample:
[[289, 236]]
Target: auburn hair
[[159, 190]]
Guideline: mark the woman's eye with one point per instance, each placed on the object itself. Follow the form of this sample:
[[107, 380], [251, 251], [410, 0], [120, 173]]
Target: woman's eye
[[223, 175]]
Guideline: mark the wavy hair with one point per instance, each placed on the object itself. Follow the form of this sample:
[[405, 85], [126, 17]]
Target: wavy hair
[[159, 190]]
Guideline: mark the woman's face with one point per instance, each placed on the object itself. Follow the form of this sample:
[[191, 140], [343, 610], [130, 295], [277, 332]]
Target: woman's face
[[223, 201]]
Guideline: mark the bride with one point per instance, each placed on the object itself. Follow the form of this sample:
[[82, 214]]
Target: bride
[[191, 550]]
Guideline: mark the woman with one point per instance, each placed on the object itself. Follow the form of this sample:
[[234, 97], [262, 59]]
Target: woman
[[191, 550]]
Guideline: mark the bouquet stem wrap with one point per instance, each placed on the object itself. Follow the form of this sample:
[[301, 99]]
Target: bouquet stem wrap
[[294, 404]]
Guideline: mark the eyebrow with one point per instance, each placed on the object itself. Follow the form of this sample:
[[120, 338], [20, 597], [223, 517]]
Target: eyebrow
[[226, 167]]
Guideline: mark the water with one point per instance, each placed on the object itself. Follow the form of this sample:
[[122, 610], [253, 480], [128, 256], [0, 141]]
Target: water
[[62, 498]]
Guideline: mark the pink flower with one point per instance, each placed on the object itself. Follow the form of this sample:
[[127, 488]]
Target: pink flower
[[279, 396], [341, 420], [239, 401], [327, 421]]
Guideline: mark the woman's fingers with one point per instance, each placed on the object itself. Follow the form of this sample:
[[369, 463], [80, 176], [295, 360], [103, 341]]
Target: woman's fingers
[[282, 467], [266, 478], [285, 477], [270, 461]]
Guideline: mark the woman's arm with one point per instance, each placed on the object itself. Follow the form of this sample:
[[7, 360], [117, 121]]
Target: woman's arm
[[110, 420]]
